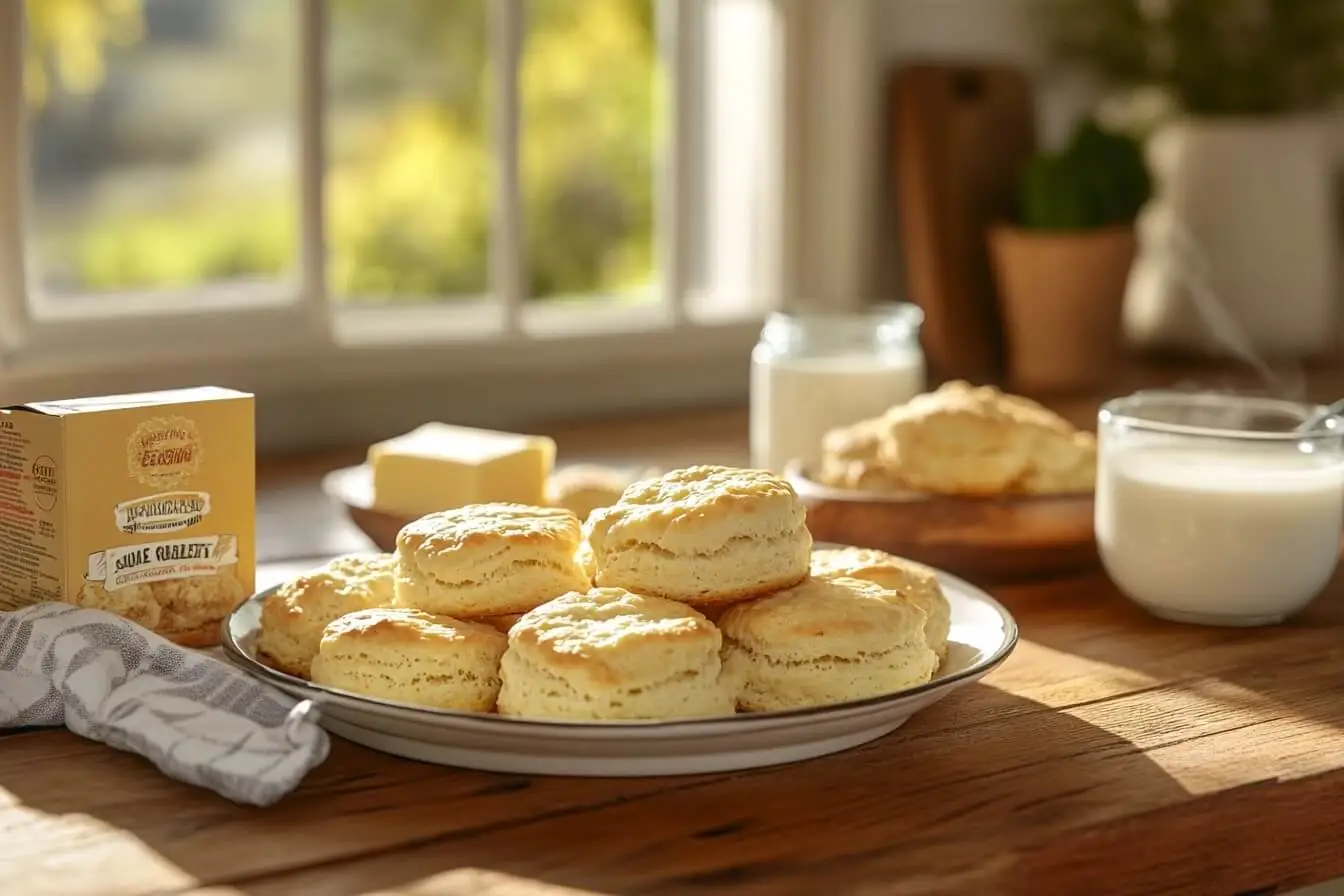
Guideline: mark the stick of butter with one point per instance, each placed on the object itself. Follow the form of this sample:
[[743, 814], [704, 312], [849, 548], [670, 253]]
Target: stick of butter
[[437, 467]]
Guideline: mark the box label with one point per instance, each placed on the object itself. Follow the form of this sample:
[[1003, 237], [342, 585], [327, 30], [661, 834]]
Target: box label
[[164, 451], [166, 512], [143, 506], [158, 561]]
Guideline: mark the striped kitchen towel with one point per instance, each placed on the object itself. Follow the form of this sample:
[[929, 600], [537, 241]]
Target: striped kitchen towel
[[197, 719]]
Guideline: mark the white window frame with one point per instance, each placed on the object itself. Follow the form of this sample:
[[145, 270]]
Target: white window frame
[[526, 360]]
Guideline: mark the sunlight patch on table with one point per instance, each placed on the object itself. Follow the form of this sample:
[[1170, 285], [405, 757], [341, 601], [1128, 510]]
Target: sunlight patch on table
[[76, 855]]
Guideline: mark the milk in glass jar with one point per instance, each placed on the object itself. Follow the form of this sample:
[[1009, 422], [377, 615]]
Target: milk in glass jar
[[813, 372]]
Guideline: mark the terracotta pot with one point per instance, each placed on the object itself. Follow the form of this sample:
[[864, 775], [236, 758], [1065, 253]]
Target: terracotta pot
[[1061, 296]]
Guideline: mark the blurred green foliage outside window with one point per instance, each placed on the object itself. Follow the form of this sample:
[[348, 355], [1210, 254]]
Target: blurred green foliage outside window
[[410, 177]]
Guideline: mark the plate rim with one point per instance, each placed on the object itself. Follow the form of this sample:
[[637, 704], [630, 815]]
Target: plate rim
[[334, 487], [797, 474], [236, 655]]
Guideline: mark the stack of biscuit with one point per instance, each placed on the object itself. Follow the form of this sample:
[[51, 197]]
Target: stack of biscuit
[[964, 440], [694, 594]]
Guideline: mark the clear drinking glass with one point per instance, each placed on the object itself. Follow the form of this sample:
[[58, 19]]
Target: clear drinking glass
[[1211, 509]]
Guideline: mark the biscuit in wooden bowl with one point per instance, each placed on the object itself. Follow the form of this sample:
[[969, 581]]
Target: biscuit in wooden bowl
[[824, 641], [489, 560], [703, 535], [609, 655], [977, 441], [850, 459], [408, 656], [293, 619], [912, 581]]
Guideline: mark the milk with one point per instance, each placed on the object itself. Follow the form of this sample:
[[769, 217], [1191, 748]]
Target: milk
[[1220, 532], [795, 401]]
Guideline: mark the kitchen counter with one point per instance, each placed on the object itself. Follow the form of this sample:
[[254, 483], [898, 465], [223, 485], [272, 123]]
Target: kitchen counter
[[1112, 753]]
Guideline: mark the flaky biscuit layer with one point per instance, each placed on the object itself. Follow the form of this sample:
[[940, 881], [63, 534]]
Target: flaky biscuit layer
[[825, 641], [293, 619], [979, 441], [412, 657], [489, 559], [911, 581], [607, 654], [702, 535]]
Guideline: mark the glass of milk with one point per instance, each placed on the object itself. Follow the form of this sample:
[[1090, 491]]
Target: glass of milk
[[1211, 510], [813, 372]]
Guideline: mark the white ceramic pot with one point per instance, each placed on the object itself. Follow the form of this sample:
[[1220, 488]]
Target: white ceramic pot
[[1254, 198]]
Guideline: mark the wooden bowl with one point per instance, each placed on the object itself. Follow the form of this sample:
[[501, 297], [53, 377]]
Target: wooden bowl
[[995, 539], [352, 488]]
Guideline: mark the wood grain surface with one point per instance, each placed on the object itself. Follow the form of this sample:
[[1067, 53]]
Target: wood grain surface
[[1113, 753], [960, 135]]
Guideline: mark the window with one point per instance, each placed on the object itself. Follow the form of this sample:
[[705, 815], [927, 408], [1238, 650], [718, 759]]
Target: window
[[296, 193]]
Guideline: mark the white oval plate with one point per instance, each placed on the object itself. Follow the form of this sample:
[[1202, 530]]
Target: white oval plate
[[983, 635]]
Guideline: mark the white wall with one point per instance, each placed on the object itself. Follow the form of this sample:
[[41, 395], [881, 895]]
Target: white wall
[[996, 30], [1000, 30]]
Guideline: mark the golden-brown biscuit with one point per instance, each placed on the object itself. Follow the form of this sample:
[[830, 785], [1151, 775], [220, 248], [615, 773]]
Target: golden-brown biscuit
[[822, 642], [500, 623], [859, 475], [1062, 470], [583, 488], [977, 441], [850, 459], [412, 657], [607, 654], [703, 535], [294, 618], [489, 560], [911, 581]]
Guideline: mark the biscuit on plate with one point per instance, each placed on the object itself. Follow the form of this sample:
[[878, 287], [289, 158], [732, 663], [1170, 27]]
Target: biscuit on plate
[[914, 582], [489, 560], [409, 656], [981, 442], [500, 623], [294, 617], [703, 535], [607, 655], [822, 642], [585, 487]]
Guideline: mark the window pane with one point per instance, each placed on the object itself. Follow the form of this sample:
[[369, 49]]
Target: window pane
[[409, 203], [592, 102], [162, 142]]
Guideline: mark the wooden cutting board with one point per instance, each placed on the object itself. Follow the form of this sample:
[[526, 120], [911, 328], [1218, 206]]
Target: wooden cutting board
[[961, 134]]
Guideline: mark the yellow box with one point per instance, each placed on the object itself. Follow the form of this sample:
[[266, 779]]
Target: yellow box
[[142, 505]]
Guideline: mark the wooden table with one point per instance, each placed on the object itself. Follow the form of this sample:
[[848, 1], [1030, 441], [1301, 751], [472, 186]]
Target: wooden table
[[1111, 754]]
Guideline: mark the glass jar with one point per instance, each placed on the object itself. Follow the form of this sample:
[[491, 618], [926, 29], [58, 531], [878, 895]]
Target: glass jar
[[813, 372]]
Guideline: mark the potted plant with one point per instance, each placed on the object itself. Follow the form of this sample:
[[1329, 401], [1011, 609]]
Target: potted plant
[[1061, 267], [1243, 215]]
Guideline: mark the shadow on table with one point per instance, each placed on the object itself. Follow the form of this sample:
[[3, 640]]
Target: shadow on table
[[1294, 669], [969, 791]]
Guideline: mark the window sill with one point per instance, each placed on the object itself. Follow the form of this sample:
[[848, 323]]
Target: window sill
[[319, 395]]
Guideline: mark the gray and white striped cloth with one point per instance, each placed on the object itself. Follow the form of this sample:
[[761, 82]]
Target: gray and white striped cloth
[[196, 718]]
